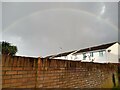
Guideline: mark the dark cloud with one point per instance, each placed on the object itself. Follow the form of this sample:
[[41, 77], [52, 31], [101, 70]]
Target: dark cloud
[[40, 29]]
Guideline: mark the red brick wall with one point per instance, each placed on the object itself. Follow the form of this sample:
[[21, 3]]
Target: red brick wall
[[18, 72], [26, 72], [74, 74]]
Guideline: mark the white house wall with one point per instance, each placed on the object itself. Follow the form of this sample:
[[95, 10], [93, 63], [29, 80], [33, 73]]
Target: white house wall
[[62, 57], [100, 59], [113, 55], [79, 57], [95, 58]]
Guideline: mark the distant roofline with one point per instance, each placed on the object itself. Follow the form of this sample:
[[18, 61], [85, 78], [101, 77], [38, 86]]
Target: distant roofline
[[105, 46], [23, 56], [60, 54]]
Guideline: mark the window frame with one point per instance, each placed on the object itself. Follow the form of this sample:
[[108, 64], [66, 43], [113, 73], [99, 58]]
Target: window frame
[[91, 54], [101, 53], [84, 56]]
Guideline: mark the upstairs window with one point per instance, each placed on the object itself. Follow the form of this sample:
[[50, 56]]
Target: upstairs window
[[101, 53], [84, 56], [76, 57], [91, 54]]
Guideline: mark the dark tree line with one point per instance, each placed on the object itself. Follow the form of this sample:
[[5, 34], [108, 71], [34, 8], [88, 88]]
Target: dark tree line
[[8, 49]]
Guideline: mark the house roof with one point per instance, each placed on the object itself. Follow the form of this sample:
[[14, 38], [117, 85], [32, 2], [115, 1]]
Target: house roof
[[59, 55], [103, 46]]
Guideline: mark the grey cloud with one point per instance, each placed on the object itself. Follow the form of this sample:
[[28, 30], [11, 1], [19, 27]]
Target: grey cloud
[[46, 32]]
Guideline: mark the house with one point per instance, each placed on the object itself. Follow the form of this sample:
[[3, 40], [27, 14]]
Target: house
[[60, 56], [105, 53]]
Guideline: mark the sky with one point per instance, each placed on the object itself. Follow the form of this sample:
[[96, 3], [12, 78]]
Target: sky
[[47, 28]]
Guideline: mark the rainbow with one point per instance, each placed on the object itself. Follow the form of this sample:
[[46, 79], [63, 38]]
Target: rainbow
[[61, 9]]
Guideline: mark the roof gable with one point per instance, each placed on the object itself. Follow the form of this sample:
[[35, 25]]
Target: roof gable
[[103, 46]]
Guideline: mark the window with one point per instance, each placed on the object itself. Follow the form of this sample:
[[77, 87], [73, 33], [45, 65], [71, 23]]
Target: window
[[84, 56], [91, 54], [100, 53], [76, 57]]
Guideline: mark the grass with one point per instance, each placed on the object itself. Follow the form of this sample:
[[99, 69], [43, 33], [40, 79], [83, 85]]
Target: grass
[[116, 88]]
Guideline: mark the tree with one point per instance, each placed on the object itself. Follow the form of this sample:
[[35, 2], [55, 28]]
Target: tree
[[7, 48]]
